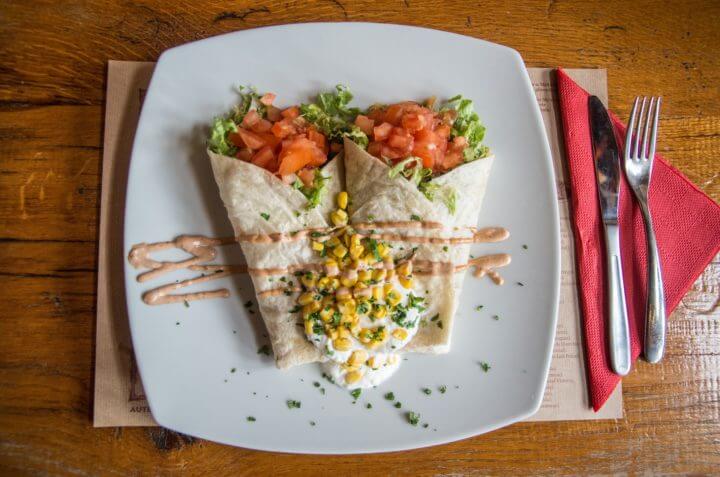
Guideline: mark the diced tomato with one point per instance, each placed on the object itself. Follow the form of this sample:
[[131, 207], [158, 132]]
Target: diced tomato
[[244, 154], [262, 126], [375, 148], [250, 118], [292, 112], [273, 114], [318, 138], [234, 138], [298, 154], [264, 158], [250, 139], [459, 142], [381, 133], [427, 147], [400, 139], [394, 113], [376, 113], [307, 176], [391, 153], [267, 99], [450, 160], [414, 122], [335, 147], [443, 130], [365, 124], [283, 128], [270, 139]]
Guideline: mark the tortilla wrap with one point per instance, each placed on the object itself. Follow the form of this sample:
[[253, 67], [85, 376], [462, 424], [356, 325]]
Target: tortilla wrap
[[249, 191], [375, 197]]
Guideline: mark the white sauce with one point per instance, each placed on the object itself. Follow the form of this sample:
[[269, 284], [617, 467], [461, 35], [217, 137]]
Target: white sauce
[[371, 377]]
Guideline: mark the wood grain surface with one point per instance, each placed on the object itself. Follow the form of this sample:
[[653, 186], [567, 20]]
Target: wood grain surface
[[53, 60]]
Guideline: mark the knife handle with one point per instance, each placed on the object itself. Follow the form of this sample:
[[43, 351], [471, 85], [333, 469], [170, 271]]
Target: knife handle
[[618, 327]]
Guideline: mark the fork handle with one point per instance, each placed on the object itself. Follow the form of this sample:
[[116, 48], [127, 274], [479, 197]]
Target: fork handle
[[655, 312], [618, 327]]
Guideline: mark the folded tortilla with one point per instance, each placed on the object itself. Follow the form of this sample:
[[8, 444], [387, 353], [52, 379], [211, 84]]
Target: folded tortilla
[[248, 192], [377, 198]]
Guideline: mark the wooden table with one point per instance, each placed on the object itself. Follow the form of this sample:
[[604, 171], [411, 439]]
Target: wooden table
[[53, 58]]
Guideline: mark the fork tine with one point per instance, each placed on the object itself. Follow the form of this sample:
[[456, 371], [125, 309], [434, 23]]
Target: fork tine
[[647, 130], [640, 135], [629, 134], [653, 134]]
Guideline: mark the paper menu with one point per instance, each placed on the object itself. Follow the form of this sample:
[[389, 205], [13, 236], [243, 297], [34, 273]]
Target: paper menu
[[119, 396]]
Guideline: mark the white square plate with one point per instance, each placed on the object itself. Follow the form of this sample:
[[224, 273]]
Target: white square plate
[[186, 367]]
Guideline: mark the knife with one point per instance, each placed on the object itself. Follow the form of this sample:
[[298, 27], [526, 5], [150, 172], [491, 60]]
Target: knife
[[607, 173]]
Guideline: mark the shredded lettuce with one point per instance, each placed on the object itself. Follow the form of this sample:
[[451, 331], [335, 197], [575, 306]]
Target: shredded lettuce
[[315, 192], [422, 178], [333, 117], [218, 141], [467, 124], [249, 99]]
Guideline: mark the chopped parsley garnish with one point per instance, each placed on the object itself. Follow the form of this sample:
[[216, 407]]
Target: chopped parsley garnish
[[371, 217], [355, 393], [233, 370], [399, 316], [425, 425], [479, 307], [496, 317], [521, 284], [427, 391], [283, 279], [390, 396], [328, 377], [368, 405], [442, 389], [248, 304], [416, 218], [295, 309], [398, 405], [316, 384], [264, 349], [440, 324], [484, 366], [445, 248], [435, 317], [251, 419], [293, 404], [265, 215], [187, 305], [413, 418], [362, 308], [525, 247], [312, 423], [416, 302], [374, 249], [316, 234]]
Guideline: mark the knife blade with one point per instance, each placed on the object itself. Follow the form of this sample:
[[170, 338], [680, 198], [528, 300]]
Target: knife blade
[[606, 158]]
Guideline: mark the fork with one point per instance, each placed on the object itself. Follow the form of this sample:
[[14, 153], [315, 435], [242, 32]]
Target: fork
[[639, 155]]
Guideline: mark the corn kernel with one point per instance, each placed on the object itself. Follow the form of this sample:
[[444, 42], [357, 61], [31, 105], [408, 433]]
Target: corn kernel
[[340, 251], [328, 300], [334, 283], [333, 242], [355, 328], [342, 200], [365, 335], [378, 293], [364, 275], [393, 298], [353, 377], [333, 334], [379, 274], [379, 311], [348, 282], [317, 246], [326, 314], [387, 288], [399, 334], [356, 251], [357, 358], [404, 269], [342, 344], [331, 268], [348, 367], [306, 298], [308, 279], [372, 344], [355, 239], [312, 307], [406, 282], [342, 294], [390, 274], [343, 332], [308, 327], [323, 283], [370, 258], [339, 217], [373, 362], [383, 250]]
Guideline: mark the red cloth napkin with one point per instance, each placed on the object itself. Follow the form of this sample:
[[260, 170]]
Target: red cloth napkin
[[687, 228]]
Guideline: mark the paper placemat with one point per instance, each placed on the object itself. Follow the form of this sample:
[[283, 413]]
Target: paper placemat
[[119, 395]]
